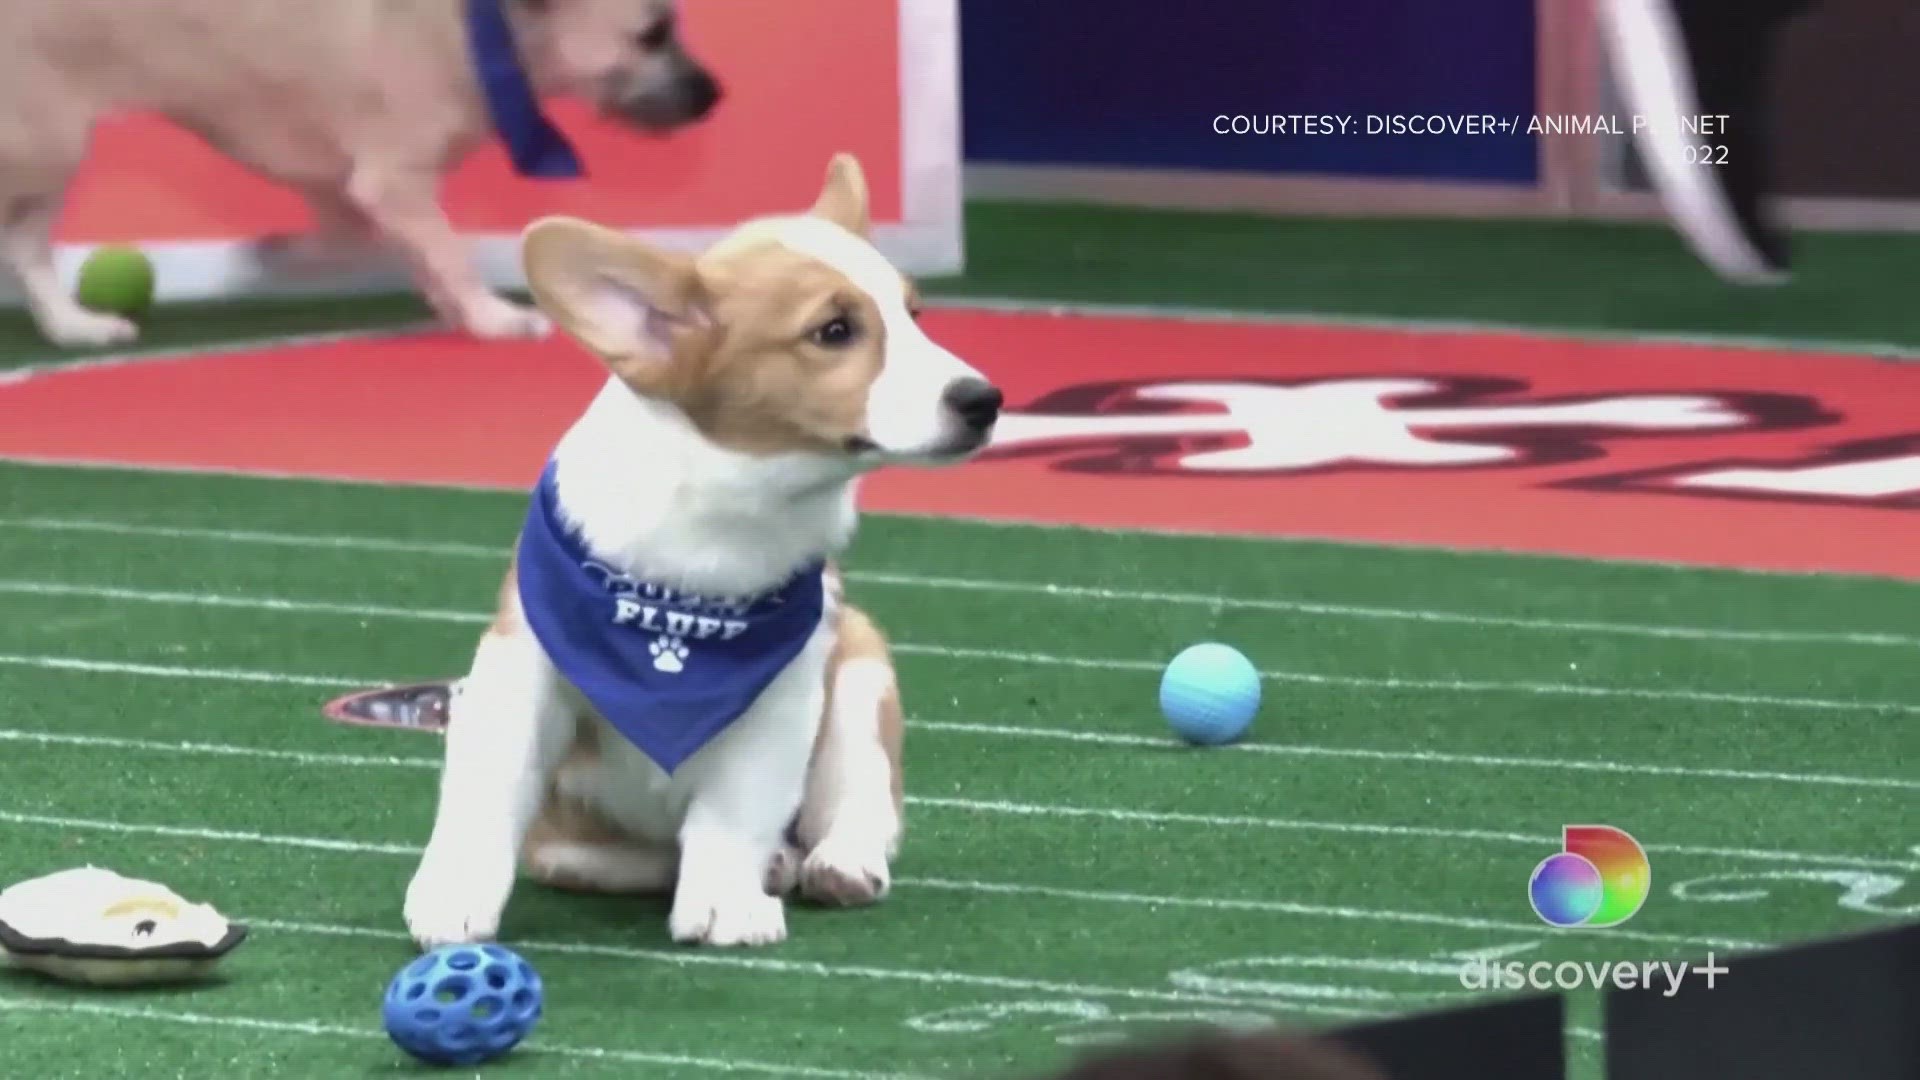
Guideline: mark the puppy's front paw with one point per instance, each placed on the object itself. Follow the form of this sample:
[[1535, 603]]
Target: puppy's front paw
[[448, 904], [496, 319], [845, 873], [748, 918]]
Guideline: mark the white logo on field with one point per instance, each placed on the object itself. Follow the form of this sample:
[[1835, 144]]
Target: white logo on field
[[1356, 422]]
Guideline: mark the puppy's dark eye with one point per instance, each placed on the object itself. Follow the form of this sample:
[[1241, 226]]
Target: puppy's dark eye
[[836, 333], [656, 37]]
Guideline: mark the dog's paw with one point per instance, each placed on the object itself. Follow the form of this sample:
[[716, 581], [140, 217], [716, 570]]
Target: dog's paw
[[84, 329], [496, 319], [750, 918], [447, 905], [845, 873], [783, 873]]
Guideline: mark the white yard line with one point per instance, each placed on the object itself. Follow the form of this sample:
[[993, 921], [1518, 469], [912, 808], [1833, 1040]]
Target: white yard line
[[817, 969], [1389, 614], [1012, 656], [1316, 911], [893, 579], [981, 806], [174, 671], [1358, 828], [1452, 686], [1428, 757], [242, 603], [534, 1048], [1422, 757], [317, 542]]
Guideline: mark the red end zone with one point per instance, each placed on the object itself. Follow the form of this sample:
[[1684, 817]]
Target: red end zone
[[1679, 453]]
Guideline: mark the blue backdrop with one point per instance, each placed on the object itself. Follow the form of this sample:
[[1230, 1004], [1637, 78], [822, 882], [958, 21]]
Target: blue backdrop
[[1139, 82]]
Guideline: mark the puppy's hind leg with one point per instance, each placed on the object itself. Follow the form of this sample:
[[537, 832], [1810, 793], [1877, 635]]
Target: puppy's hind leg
[[33, 183], [574, 848], [850, 822], [603, 866]]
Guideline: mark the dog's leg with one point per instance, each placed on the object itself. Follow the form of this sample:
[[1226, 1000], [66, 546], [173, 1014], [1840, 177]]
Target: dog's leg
[[30, 199], [609, 866], [572, 846], [403, 202], [508, 727], [850, 823], [745, 796], [341, 236]]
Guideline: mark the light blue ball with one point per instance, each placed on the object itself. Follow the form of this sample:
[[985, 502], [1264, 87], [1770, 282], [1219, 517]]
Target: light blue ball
[[1209, 694], [463, 1004]]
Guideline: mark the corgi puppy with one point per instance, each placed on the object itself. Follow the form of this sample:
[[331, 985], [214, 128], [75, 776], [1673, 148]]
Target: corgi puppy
[[674, 693]]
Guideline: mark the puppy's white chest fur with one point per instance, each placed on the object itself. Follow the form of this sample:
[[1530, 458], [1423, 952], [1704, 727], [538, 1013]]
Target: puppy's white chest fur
[[625, 786], [704, 518]]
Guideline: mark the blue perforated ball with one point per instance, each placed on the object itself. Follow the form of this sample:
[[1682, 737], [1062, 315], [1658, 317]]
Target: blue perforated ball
[[1209, 693], [463, 1004]]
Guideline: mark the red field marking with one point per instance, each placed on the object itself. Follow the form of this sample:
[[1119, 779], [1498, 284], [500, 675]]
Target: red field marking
[[1461, 440]]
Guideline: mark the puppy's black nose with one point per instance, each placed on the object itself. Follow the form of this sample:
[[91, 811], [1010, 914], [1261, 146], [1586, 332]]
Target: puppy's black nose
[[976, 401], [700, 91]]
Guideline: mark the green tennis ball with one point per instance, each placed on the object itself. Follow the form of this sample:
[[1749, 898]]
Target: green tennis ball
[[117, 280]]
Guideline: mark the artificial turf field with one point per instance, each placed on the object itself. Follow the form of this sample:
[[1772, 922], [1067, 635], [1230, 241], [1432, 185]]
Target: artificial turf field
[[1432, 719]]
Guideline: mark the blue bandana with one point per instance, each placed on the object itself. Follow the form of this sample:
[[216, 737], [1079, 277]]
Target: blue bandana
[[668, 669], [537, 148]]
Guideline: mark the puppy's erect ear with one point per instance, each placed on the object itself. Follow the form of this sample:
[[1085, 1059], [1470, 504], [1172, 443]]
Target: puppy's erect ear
[[843, 200], [632, 304]]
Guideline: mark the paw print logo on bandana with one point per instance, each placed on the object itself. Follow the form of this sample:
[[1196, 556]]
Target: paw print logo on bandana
[[669, 654]]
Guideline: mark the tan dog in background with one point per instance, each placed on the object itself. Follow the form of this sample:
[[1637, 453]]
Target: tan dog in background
[[361, 105]]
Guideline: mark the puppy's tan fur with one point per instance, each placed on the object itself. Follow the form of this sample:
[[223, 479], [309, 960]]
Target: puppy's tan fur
[[363, 106]]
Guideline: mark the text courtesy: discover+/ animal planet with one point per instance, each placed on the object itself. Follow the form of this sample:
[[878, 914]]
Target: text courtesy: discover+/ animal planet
[[1704, 130]]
